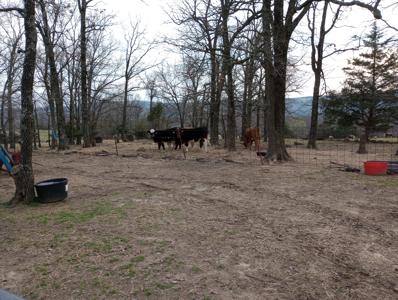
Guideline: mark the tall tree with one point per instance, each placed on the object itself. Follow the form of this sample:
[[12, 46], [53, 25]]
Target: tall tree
[[317, 56], [83, 4], [202, 33], [135, 52], [55, 82], [368, 99], [279, 23], [11, 57], [172, 89], [151, 87], [23, 174]]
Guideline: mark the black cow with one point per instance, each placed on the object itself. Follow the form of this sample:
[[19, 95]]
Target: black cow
[[193, 135], [162, 136], [180, 136]]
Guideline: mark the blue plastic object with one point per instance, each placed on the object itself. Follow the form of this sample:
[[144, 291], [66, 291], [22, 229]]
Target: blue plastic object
[[4, 295], [5, 158]]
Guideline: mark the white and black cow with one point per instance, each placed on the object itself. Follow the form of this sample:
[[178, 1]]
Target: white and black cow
[[163, 136]]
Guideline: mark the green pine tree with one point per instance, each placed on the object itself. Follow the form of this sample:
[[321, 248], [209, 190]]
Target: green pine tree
[[369, 97]]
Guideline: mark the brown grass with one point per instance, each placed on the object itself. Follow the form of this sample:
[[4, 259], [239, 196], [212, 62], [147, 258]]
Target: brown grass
[[214, 226]]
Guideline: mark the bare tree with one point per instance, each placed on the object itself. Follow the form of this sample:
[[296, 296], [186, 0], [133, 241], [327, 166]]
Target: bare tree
[[102, 70], [202, 33], [172, 90], [83, 4], [42, 67], [193, 74], [279, 22], [317, 55], [135, 52], [23, 174], [12, 40], [152, 91], [49, 40]]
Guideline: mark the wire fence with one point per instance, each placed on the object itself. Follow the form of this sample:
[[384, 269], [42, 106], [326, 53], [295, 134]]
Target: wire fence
[[343, 152]]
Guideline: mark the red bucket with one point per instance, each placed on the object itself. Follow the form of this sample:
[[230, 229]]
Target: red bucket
[[375, 167]]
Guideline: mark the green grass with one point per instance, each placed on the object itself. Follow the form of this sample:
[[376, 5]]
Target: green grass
[[147, 291], [391, 183], [195, 269], [137, 259], [81, 216], [128, 270], [164, 285]]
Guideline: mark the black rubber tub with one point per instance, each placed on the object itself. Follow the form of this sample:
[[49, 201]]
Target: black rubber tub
[[392, 167], [52, 190]]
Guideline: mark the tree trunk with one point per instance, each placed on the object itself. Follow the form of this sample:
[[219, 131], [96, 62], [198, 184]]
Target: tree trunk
[[227, 69], [23, 174], [363, 139], [231, 121], [73, 90], [10, 113], [37, 125], [51, 105], [35, 130], [314, 113], [54, 79], [71, 117], [125, 102], [216, 86], [78, 121], [249, 93], [275, 79], [2, 122], [244, 107], [83, 76], [316, 63]]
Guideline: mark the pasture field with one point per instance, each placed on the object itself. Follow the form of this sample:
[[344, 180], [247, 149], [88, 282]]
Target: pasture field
[[153, 225]]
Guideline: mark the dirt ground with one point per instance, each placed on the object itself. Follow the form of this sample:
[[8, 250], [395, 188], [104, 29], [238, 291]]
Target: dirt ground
[[151, 225]]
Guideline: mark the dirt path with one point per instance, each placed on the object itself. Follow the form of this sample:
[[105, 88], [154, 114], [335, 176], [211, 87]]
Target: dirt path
[[215, 226]]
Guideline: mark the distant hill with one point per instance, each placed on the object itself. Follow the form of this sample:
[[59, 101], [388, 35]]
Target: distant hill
[[299, 106]]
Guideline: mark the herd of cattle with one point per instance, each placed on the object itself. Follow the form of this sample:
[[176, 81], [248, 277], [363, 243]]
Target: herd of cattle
[[185, 136], [180, 137]]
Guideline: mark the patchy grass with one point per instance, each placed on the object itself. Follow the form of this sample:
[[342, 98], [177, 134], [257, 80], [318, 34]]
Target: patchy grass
[[195, 269], [165, 285], [78, 216], [128, 270], [137, 227], [138, 258]]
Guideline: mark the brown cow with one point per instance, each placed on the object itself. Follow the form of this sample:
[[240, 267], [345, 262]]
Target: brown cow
[[252, 135]]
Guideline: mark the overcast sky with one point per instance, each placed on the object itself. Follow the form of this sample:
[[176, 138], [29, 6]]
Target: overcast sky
[[154, 18]]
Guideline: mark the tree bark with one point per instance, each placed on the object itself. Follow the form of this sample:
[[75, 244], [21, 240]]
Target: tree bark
[[227, 68], [317, 67], [83, 75], [10, 110], [125, 102], [23, 174], [363, 139], [216, 86], [275, 78], [2, 113], [54, 79], [51, 105]]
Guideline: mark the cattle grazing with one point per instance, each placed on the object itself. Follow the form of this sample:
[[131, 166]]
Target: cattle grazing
[[252, 135]]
